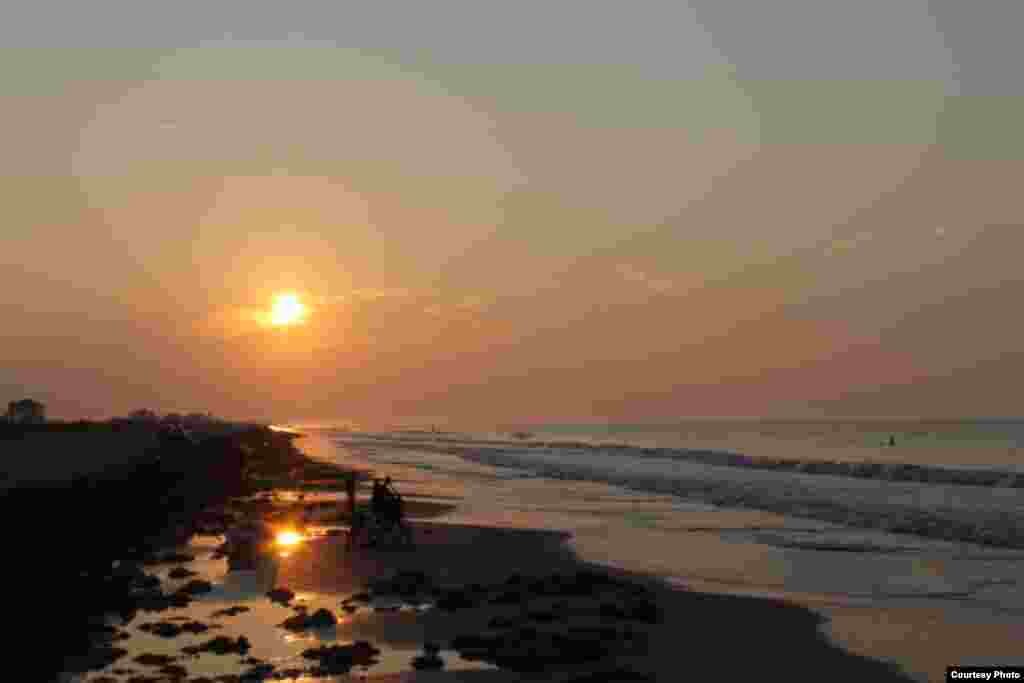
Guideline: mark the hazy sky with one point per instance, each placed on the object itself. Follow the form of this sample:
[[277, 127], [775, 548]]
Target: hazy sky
[[514, 211]]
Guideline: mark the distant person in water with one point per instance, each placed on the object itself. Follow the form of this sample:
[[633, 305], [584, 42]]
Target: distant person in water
[[892, 440]]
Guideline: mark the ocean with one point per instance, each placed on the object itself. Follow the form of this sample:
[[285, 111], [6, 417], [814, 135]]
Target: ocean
[[907, 536]]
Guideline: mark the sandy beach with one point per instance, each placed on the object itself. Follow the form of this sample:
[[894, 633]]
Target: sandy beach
[[501, 600]]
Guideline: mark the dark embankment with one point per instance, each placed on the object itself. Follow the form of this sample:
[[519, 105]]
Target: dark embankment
[[65, 536]]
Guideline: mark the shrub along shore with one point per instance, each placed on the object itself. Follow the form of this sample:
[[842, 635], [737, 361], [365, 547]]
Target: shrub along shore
[[78, 546]]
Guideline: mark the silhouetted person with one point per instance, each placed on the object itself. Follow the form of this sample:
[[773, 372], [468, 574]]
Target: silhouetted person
[[892, 440], [379, 498]]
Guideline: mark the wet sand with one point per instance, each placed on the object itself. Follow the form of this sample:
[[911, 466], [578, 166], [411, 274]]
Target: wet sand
[[471, 576]]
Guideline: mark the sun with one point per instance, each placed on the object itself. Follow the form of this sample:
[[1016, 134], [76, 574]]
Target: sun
[[288, 538], [287, 310]]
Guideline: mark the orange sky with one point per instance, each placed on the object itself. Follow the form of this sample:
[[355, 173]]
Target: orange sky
[[615, 224]]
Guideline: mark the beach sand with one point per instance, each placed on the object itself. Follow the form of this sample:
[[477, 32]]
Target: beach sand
[[478, 531], [700, 634]]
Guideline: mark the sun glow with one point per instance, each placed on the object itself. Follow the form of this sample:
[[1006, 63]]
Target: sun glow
[[288, 539], [286, 310]]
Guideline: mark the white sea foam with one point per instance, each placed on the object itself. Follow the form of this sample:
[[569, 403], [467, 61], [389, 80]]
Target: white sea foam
[[983, 505]]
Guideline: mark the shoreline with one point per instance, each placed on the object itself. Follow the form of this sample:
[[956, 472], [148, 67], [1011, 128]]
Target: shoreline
[[714, 484], [692, 632]]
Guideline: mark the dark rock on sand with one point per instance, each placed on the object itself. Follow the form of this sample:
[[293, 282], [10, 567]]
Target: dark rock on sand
[[176, 671], [164, 629], [230, 611], [339, 659], [147, 581], [194, 627], [180, 573], [221, 645], [150, 659], [427, 663], [156, 601], [320, 619], [281, 595], [257, 673], [195, 587]]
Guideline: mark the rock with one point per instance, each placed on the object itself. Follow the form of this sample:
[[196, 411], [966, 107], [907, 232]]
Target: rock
[[289, 674], [147, 581], [349, 608], [294, 623], [180, 573], [281, 595], [230, 611], [180, 599], [194, 627], [195, 587], [150, 659], [257, 673], [427, 663], [339, 659], [322, 619], [164, 629], [174, 671], [221, 645]]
